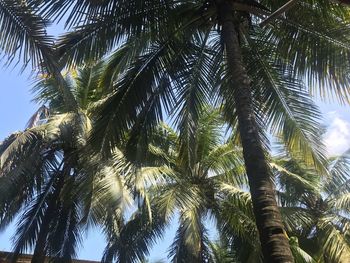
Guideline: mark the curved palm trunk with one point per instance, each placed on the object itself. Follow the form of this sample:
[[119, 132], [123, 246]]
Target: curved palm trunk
[[274, 243]]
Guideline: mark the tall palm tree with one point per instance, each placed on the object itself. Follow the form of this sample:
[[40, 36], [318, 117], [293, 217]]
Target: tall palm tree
[[58, 187], [41, 171], [39, 151], [238, 230], [37, 173], [184, 184], [201, 48]]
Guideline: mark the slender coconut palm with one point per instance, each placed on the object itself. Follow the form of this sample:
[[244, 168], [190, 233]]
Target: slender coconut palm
[[238, 230], [38, 172], [41, 171], [33, 173], [58, 187], [314, 212]]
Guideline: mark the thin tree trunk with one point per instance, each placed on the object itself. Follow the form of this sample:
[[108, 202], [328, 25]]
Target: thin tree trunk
[[274, 242]]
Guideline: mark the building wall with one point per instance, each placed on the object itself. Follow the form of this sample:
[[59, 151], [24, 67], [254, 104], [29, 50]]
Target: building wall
[[6, 256]]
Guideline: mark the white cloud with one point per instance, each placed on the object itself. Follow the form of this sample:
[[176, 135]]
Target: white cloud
[[337, 137]]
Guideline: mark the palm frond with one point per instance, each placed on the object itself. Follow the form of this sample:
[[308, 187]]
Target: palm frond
[[317, 46], [337, 183], [290, 113], [334, 243], [117, 114], [236, 214], [193, 95], [306, 183], [221, 253], [300, 256], [296, 218], [120, 20], [23, 33], [191, 241], [135, 238], [29, 224]]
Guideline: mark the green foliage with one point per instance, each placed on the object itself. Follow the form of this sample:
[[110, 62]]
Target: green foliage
[[101, 147]]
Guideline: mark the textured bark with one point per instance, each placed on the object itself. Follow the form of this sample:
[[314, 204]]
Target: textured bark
[[274, 242]]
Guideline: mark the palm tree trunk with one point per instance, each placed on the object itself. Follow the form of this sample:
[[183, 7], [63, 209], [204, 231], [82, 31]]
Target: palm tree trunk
[[274, 242]]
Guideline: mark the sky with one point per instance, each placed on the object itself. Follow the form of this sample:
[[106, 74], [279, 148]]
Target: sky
[[337, 119]]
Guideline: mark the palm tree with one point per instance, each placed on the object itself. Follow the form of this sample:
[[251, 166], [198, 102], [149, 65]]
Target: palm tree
[[23, 36], [42, 172], [314, 211], [35, 171], [58, 187], [321, 205], [186, 181], [216, 49], [237, 228], [131, 239]]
